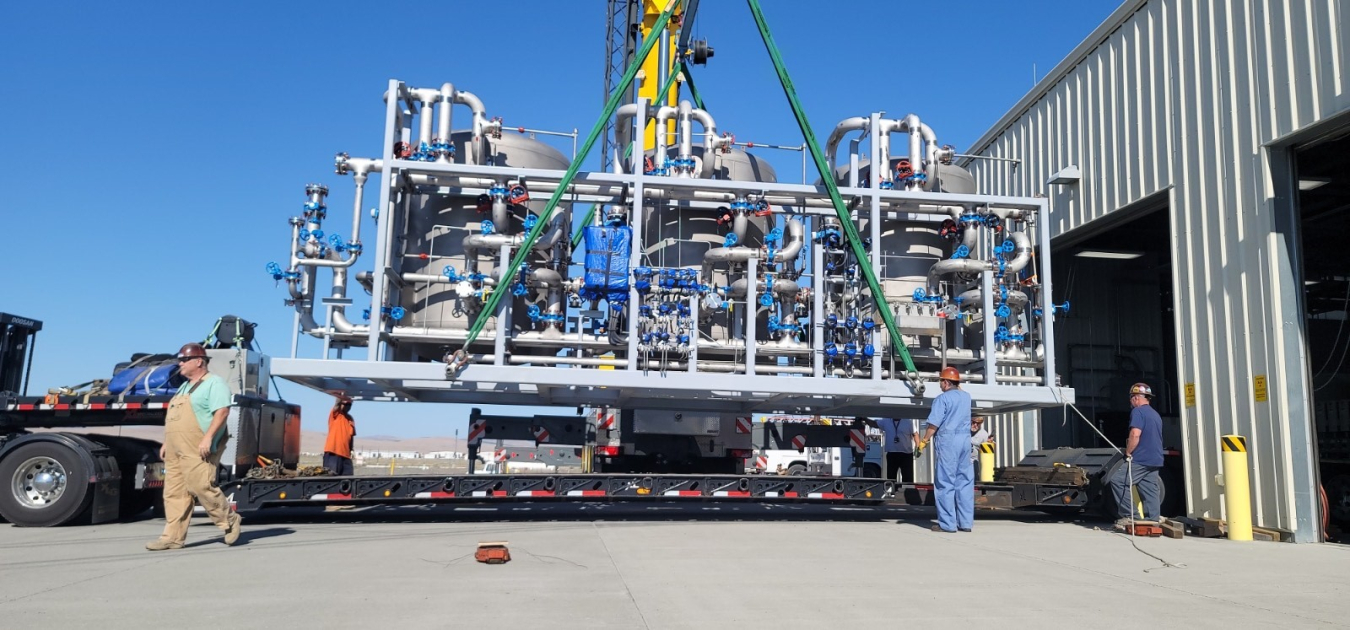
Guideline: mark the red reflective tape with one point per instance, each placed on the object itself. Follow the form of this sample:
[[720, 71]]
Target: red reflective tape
[[134, 405], [330, 497], [683, 493], [61, 407], [535, 493], [586, 493], [98, 406], [27, 407], [792, 495], [826, 495], [731, 493], [434, 495]]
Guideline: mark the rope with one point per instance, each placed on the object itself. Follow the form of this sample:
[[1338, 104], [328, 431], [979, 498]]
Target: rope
[[1129, 472]]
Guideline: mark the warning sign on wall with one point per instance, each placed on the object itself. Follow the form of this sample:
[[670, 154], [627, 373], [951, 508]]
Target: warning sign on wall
[[1259, 388], [1190, 394]]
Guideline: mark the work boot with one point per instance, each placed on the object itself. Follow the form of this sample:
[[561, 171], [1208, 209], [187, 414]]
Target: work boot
[[236, 525], [163, 544]]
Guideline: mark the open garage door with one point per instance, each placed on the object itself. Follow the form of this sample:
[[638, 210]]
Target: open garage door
[[1323, 171], [1120, 330]]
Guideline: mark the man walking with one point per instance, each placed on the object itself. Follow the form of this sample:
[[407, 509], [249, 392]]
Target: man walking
[[337, 449], [1143, 459], [194, 432], [949, 430]]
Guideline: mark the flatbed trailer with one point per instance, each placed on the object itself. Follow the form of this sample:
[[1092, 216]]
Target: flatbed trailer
[[255, 494]]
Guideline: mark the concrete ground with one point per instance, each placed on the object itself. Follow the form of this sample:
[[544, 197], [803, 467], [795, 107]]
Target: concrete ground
[[625, 566]]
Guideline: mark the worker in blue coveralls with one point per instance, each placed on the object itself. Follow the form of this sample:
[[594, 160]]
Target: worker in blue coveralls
[[949, 430]]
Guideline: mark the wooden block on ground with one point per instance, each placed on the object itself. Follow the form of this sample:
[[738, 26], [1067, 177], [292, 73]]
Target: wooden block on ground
[[1173, 529], [1277, 535]]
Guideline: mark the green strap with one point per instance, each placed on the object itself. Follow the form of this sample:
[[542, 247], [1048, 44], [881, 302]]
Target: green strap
[[693, 91], [518, 259], [627, 152], [845, 221]]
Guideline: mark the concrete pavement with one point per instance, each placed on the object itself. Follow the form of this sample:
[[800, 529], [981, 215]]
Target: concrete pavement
[[627, 566]]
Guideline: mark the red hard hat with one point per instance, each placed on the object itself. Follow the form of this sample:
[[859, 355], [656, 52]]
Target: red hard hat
[[1141, 388], [191, 351], [950, 374]]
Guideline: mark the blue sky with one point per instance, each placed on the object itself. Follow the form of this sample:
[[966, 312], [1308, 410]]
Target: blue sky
[[152, 151]]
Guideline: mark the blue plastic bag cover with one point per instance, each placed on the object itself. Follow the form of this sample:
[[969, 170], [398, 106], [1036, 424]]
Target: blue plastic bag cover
[[607, 252], [145, 380]]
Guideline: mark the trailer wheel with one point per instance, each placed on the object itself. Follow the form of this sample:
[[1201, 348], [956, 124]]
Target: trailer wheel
[[45, 485], [797, 470]]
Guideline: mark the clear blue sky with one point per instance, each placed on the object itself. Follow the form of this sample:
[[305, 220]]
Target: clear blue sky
[[152, 151]]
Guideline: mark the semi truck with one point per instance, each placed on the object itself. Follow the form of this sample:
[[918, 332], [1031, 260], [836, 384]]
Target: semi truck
[[63, 461]]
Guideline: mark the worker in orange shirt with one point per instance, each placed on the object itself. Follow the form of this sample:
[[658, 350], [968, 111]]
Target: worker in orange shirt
[[337, 450]]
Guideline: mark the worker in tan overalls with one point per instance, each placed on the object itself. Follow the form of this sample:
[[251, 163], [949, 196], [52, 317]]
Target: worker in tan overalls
[[194, 434]]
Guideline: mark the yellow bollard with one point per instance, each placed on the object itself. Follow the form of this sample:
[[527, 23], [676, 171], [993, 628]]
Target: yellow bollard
[[987, 460], [391, 466], [1237, 499]]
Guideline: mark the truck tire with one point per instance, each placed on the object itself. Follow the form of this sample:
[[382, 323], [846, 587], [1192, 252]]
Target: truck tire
[[797, 469], [44, 484], [872, 471]]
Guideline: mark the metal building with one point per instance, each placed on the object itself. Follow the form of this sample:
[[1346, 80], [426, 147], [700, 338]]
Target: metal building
[[1191, 152]]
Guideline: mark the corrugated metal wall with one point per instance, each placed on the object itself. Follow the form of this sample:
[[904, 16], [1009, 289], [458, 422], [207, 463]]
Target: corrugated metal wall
[[1181, 97]]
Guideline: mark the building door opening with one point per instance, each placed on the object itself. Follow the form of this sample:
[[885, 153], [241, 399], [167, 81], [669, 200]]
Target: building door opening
[[1323, 171], [1120, 330]]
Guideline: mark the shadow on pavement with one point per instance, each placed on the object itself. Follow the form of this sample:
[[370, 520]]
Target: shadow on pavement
[[644, 511]]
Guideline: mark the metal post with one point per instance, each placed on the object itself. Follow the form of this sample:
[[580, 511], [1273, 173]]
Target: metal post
[[990, 323], [817, 320], [693, 333], [1047, 301], [751, 309], [880, 164], [503, 307], [635, 219], [382, 245]]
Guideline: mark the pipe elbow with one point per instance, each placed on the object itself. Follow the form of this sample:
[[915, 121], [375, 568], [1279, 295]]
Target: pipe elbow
[[1021, 252]]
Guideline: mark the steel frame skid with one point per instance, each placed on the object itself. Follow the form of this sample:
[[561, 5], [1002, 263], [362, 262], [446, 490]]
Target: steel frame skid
[[758, 370]]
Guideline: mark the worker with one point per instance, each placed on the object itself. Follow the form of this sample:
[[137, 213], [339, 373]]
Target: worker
[[954, 483], [978, 435], [337, 450], [898, 437], [1143, 457], [194, 434]]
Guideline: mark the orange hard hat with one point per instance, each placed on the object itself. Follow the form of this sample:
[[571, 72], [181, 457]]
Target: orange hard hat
[[950, 374], [1141, 388], [191, 351]]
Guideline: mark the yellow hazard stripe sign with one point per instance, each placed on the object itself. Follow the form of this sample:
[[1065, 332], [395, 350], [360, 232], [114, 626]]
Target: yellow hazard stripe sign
[[1234, 444], [987, 447]]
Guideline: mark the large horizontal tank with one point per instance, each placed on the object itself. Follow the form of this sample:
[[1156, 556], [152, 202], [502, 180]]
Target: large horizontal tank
[[438, 225]]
